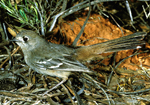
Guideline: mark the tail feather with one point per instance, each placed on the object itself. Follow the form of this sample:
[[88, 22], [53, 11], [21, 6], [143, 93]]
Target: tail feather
[[127, 42], [132, 41]]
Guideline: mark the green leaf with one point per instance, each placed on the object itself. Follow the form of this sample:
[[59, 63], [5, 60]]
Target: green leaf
[[16, 7], [23, 15]]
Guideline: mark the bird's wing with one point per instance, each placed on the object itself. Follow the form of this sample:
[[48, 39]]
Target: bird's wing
[[62, 63]]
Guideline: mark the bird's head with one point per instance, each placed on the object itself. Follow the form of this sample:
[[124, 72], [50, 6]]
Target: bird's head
[[28, 40]]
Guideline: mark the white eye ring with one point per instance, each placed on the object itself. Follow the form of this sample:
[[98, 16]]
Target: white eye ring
[[25, 38]]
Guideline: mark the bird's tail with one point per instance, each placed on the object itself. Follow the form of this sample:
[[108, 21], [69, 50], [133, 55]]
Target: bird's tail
[[132, 41]]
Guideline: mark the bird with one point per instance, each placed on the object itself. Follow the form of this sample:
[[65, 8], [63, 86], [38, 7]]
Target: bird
[[60, 61]]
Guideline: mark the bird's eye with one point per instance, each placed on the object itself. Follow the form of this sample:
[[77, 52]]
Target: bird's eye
[[25, 38]]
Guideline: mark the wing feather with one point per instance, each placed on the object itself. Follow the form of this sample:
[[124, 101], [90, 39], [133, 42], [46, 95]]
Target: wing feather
[[63, 63]]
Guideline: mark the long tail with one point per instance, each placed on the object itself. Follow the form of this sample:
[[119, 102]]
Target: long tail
[[132, 41]]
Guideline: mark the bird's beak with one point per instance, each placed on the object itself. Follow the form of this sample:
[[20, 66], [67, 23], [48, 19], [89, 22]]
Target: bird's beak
[[14, 40]]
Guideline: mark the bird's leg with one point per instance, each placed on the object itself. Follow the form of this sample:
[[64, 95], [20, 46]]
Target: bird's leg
[[64, 80]]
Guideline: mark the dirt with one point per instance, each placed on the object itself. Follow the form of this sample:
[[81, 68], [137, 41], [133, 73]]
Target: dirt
[[98, 30]]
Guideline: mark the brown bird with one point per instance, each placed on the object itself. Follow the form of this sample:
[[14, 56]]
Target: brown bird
[[59, 60]]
